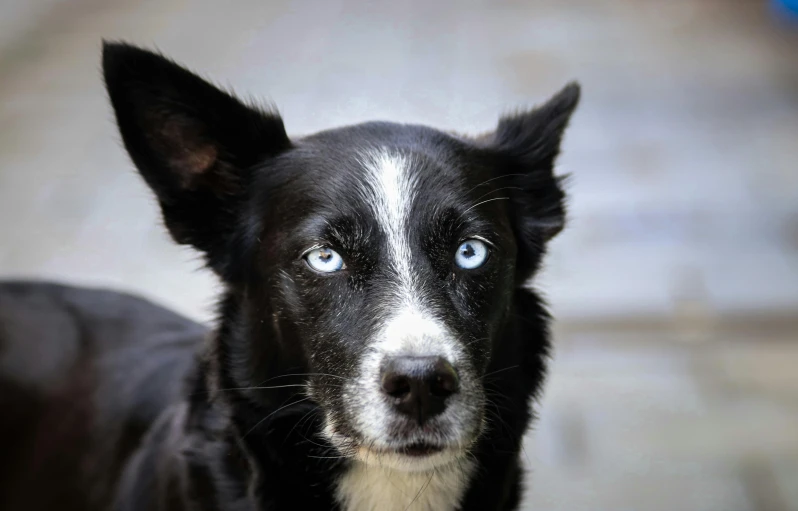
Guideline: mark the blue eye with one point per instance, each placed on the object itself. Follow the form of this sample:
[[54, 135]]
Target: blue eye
[[471, 254], [325, 260]]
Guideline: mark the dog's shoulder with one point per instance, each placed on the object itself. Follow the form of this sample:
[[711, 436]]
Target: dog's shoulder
[[83, 374]]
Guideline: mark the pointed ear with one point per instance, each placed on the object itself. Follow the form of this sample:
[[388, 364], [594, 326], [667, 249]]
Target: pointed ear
[[530, 142], [193, 143]]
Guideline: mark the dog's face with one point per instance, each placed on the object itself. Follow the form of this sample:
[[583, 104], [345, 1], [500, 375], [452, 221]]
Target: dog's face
[[398, 283], [381, 259]]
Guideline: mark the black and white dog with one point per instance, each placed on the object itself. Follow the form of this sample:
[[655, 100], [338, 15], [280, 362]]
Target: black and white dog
[[377, 347]]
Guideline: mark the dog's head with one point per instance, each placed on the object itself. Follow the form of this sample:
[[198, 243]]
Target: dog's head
[[379, 260]]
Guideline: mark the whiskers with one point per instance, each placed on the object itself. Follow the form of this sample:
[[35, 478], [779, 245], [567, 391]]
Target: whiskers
[[483, 202], [492, 373], [272, 414], [483, 183], [305, 384], [337, 448], [499, 190], [422, 489], [271, 387], [479, 201]]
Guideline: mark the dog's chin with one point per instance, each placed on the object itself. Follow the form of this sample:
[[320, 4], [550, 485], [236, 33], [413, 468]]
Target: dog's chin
[[417, 455], [400, 444], [414, 457]]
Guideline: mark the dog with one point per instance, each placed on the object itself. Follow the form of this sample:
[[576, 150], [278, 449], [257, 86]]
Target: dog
[[377, 345]]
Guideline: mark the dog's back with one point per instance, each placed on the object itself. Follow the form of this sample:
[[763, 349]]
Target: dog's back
[[83, 373]]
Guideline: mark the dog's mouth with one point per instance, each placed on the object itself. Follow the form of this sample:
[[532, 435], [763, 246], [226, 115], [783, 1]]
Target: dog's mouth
[[416, 449], [419, 449], [411, 456], [411, 452]]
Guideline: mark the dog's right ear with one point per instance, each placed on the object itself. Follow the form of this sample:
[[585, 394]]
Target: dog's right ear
[[194, 144]]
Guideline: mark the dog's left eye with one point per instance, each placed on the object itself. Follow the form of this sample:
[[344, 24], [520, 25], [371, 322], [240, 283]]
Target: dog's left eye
[[471, 254], [325, 260]]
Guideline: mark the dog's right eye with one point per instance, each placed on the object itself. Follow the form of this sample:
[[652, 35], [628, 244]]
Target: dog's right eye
[[471, 254], [324, 260]]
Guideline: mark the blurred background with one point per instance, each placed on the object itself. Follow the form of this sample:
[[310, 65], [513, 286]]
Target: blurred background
[[674, 384]]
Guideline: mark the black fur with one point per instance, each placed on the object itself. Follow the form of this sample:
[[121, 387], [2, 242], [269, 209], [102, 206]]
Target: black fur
[[131, 410]]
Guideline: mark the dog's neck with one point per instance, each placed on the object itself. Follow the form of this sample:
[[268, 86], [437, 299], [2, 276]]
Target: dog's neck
[[366, 487]]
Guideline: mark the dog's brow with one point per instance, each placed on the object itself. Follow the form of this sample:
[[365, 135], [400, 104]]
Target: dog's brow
[[348, 231]]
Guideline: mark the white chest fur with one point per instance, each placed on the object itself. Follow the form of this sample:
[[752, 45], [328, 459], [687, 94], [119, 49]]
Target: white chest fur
[[372, 488]]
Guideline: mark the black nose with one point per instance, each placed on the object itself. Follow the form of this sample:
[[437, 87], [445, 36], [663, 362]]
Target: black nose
[[418, 386]]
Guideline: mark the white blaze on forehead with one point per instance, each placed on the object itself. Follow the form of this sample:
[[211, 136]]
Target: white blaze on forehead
[[392, 189], [410, 326]]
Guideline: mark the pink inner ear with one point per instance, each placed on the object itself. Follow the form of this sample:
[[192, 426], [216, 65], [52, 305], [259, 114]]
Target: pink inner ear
[[184, 149], [193, 161]]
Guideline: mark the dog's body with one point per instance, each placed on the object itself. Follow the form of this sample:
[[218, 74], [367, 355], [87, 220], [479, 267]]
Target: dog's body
[[83, 376], [376, 347]]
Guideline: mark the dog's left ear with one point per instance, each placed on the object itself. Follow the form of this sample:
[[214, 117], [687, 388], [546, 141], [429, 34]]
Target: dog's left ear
[[194, 144], [529, 143]]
